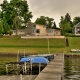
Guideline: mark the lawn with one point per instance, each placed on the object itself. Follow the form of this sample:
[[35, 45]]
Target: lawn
[[37, 46], [73, 43], [12, 45]]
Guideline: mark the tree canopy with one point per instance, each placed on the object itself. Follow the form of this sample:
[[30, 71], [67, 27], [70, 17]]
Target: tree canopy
[[14, 14], [66, 24], [76, 20], [45, 21]]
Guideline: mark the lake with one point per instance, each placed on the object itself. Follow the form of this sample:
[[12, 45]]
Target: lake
[[72, 67]]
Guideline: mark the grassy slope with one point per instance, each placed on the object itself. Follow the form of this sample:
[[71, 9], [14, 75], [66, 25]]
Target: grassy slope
[[12, 45], [74, 43]]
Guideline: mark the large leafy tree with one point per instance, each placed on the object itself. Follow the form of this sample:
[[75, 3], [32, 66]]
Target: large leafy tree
[[16, 13], [50, 22], [3, 18], [45, 21], [67, 17], [41, 20], [66, 24]]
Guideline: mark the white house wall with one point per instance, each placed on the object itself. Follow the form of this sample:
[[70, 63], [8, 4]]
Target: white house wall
[[42, 29]]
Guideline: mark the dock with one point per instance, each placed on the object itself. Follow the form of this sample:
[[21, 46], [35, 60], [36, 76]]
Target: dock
[[54, 70], [18, 77]]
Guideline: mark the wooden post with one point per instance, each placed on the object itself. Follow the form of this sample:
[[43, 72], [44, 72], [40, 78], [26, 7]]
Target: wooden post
[[7, 69], [39, 67], [24, 53], [20, 76], [25, 67], [48, 45], [17, 58], [31, 65]]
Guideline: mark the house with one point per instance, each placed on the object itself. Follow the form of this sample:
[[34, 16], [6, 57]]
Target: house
[[37, 30], [42, 30], [77, 29], [53, 31], [19, 32]]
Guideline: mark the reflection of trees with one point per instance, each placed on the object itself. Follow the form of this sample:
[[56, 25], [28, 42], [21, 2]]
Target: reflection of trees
[[72, 65], [68, 66]]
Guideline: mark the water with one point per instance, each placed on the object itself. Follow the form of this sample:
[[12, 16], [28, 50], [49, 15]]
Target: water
[[72, 67]]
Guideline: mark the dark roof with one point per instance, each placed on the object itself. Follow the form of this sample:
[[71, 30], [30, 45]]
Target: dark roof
[[54, 28], [57, 28]]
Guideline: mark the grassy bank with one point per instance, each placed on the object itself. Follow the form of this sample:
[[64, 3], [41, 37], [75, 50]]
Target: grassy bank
[[32, 46], [74, 43], [12, 45]]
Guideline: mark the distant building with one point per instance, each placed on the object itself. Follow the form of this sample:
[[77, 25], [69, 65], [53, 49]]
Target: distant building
[[77, 29], [20, 32], [35, 29], [53, 32], [38, 30], [42, 30]]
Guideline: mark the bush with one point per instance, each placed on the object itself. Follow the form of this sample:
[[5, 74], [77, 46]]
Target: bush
[[1, 35], [71, 35]]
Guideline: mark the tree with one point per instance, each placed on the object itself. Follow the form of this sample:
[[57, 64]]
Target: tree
[[66, 24], [54, 25], [45, 21], [50, 22], [15, 13], [1, 27], [67, 17], [76, 20], [41, 20]]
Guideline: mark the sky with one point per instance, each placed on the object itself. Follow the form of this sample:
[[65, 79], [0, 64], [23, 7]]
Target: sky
[[53, 8]]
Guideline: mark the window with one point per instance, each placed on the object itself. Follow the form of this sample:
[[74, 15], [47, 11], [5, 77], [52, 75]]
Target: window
[[37, 31]]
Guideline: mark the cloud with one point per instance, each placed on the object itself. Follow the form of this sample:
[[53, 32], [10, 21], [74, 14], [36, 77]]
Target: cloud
[[54, 8]]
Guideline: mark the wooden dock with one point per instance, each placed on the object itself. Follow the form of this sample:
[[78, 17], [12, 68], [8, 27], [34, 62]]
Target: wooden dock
[[54, 70], [18, 77]]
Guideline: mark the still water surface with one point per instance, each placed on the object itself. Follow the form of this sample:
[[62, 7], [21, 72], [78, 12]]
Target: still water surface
[[72, 67]]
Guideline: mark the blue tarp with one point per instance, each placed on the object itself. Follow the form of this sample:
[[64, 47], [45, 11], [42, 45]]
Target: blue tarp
[[25, 59], [35, 60]]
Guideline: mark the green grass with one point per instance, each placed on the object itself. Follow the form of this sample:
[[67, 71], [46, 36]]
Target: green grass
[[12, 45], [74, 43]]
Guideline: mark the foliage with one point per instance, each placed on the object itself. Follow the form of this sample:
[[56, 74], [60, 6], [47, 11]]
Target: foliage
[[14, 14], [41, 20], [66, 24], [54, 26], [45, 21], [76, 20]]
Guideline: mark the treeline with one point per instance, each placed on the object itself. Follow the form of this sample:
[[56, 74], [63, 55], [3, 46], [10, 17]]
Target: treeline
[[15, 14]]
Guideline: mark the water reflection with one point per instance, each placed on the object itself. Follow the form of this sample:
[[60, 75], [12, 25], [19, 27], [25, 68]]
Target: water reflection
[[72, 67]]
